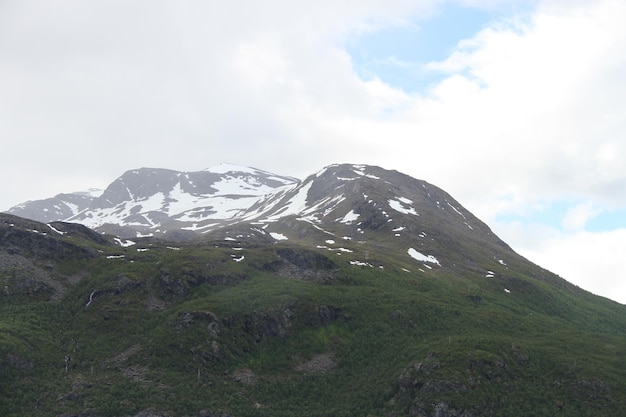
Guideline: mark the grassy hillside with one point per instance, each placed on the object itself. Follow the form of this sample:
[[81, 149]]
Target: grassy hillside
[[229, 328]]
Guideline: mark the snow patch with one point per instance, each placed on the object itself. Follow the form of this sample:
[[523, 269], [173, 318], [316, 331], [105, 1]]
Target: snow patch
[[55, 230], [334, 249], [360, 170], [359, 263], [400, 206], [455, 209], [278, 236], [296, 205], [123, 243], [224, 168], [349, 217], [421, 257]]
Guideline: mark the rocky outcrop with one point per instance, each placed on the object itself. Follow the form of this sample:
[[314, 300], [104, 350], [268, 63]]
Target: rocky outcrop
[[245, 376], [302, 264], [36, 240], [318, 364], [179, 282]]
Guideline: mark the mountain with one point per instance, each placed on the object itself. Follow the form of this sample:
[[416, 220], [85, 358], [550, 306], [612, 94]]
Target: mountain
[[59, 207], [151, 201], [357, 291], [344, 202]]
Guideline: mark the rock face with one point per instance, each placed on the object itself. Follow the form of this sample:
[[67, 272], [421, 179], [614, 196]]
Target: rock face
[[33, 239], [29, 252]]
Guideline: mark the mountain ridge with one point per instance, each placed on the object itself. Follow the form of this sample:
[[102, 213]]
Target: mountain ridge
[[379, 208]]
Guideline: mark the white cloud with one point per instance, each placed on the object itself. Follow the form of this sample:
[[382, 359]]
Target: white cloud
[[593, 261], [547, 102], [178, 84], [577, 216], [531, 110], [540, 105]]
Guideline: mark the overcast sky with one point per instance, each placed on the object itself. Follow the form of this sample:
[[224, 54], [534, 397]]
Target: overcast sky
[[516, 108]]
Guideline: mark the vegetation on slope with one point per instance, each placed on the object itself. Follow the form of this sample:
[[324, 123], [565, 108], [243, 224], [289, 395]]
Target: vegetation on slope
[[229, 328]]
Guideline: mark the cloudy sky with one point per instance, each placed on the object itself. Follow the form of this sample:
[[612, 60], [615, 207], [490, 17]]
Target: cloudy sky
[[516, 108]]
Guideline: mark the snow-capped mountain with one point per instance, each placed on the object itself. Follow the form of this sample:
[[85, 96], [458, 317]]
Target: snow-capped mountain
[[339, 203], [155, 201], [61, 206], [151, 201]]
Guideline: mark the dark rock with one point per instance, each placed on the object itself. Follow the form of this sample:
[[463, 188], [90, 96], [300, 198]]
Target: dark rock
[[244, 376], [180, 283], [265, 325], [323, 315], [318, 364], [595, 393], [306, 259], [37, 240], [80, 231]]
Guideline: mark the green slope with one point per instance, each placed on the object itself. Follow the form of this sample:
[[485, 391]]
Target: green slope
[[294, 330]]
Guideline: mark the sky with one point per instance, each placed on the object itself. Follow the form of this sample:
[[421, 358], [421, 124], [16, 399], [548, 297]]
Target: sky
[[516, 108]]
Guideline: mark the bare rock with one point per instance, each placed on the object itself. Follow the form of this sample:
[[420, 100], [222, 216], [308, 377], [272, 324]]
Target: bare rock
[[318, 364]]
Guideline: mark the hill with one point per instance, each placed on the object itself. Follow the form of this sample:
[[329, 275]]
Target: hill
[[356, 292]]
